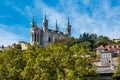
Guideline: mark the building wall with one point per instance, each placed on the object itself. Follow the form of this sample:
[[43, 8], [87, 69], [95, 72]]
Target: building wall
[[24, 45], [108, 58], [109, 54], [98, 51], [46, 37]]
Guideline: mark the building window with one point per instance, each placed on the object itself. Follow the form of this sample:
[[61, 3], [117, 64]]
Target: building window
[[104, 55], [108, 55], [109, 61], [49, 39], [35, 37]]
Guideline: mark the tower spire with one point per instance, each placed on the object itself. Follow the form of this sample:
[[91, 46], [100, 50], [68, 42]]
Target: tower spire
[[33, 23], [33, 18], [56, 23], [56, 27], [68, 20], [45, 23], [68, 28], [45, 15]]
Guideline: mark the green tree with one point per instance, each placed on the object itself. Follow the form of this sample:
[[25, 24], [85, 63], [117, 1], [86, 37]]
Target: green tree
[[84, 37], [52, 62], [11, 64], [103, 40], [68, 41], [85, 45], [83, 65], [117, 72], [118, 42], [89, 38]]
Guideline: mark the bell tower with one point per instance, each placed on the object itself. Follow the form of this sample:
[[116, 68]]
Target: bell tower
[[45, 23], [68, 28], [33, 31]]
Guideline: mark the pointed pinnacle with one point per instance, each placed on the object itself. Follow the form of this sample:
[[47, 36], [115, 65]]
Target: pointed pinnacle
[[45, 15], [68, 20], [33, 18], [56, 22]]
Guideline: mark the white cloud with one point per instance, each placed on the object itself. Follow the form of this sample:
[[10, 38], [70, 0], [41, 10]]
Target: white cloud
[[8, 36], [85, 16], [104, 19], [13, 5], [86, 2], [18, 10], [52, 14]]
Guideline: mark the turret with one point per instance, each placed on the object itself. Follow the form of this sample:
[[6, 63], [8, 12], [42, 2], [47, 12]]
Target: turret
[[45, 23], [33, 23], [68, 28], [33, 31], [56, 27]]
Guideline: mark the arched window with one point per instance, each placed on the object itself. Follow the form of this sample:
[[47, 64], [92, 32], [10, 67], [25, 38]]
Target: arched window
[[49, 39], [35, 37]]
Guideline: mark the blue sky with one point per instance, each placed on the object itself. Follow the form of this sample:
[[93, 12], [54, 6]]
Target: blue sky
[[92, 16]]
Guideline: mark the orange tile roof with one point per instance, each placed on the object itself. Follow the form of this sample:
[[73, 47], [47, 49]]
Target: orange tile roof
[[114, 48], [101, 47]]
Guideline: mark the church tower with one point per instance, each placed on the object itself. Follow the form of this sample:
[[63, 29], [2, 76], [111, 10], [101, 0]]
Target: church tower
[[68, 28], [56, 27], [34, 32], [43, 36], [45, 23]]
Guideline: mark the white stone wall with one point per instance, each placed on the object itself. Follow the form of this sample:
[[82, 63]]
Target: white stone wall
[[44, 36]]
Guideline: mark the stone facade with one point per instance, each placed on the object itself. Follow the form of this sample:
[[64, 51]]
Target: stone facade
[[107, 63], [108, 58], [100, 49], [24, 45], [44, 36], [108, 55], [116, 40]]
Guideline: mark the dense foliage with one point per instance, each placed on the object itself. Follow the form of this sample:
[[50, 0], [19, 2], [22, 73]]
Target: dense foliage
[[66, 59], [53, 62], [117, 72], [86, 40]]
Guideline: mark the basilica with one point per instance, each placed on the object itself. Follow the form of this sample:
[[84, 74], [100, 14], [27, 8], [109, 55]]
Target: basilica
[[44, 36]]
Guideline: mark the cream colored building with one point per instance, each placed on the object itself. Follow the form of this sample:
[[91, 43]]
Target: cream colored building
[[24, 45], [108, 55], [116, 40]]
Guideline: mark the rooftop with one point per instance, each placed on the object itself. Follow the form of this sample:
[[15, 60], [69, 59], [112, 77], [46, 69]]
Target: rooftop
[[101, 47]]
